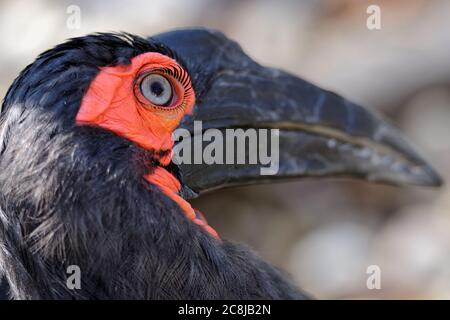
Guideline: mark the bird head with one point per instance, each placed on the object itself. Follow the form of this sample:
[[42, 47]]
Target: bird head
[[141, 90]]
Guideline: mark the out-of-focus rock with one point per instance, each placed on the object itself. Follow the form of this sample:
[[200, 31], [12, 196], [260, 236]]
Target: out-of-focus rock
[[331, 261]]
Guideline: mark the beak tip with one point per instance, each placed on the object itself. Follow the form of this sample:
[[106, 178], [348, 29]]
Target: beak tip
[[425, 176], [433, 179], [416, 174]]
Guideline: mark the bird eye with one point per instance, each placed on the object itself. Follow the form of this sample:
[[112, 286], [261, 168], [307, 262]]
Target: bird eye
[[157, 89]]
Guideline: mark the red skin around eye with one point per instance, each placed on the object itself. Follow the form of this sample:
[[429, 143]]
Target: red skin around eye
[[171, 186], [113, 103]]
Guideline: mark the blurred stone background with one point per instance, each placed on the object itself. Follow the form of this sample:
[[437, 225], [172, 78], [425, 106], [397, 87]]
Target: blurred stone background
[[324, 233]]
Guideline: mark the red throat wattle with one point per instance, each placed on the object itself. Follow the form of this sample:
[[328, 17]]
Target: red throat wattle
[[114, 102]]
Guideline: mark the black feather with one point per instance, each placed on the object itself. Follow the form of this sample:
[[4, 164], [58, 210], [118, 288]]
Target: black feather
[[75, 195]]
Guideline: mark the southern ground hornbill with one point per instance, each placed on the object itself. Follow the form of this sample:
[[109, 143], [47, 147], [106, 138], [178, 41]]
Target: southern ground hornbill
[[87, 178]]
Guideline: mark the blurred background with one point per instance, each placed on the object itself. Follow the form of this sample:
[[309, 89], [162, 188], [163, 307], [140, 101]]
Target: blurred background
[[325, 233]]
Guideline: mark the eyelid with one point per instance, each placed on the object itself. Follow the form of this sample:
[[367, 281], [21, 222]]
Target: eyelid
[[175, 71], [177, 99], [164, 78], [183, 91]]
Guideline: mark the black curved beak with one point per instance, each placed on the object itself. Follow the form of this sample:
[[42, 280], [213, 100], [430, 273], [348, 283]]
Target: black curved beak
[[320, 134]]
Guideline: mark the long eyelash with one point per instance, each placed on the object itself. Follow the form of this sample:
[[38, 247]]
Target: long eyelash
[[181, 76]]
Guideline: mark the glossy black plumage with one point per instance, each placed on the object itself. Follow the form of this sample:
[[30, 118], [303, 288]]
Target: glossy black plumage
[[72, 195]]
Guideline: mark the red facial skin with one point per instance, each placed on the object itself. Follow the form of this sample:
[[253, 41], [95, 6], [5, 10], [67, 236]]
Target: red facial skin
[[114, 102]]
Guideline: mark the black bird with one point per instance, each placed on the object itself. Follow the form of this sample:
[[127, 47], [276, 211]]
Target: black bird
[[87, 178]]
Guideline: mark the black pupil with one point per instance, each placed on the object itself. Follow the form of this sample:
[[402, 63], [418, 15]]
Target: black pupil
[[157, 88]]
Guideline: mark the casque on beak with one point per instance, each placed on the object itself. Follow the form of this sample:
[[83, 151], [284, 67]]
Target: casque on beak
[[320, 133]]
